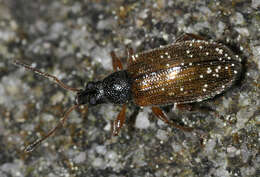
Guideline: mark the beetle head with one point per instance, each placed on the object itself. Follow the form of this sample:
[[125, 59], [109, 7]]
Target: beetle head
[[93, 94]]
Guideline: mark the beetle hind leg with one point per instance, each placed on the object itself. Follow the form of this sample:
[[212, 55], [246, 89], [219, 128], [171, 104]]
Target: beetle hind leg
[[162, 116]]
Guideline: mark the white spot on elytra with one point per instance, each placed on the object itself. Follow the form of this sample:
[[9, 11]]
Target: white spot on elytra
[[226, 67], [223, 86], [235, 71], [181, 89], [200, 47], [206, 85], [171, 93], [201, 76], [207, 53], [190, 64], [187, 51], [204, 90]]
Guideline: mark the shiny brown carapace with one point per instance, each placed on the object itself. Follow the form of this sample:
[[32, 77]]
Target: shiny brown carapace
[[190, 70], [184, 72]]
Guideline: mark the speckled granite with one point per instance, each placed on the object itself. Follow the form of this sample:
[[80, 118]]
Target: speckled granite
[[72, 40]]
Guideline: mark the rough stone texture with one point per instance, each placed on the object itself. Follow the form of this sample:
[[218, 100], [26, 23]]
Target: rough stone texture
[[72, 40]]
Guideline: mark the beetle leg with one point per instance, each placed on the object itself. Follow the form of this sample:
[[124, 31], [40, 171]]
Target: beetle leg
[[188, 37], [129, 51], [119, 122], [117, 64], [161, 115]]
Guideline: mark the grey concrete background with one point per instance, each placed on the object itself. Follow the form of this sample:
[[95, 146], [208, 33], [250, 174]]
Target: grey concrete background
[[72, 40]]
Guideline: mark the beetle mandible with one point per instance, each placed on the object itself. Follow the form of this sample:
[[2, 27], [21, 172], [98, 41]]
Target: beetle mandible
[[190, 70]]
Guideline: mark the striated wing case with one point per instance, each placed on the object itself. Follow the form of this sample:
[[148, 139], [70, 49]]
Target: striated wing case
[[184, 72]]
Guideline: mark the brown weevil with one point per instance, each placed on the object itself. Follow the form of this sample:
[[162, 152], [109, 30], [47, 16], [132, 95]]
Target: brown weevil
[[190, 70]]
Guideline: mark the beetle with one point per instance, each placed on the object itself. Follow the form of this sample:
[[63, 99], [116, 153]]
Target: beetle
[[190, 70]]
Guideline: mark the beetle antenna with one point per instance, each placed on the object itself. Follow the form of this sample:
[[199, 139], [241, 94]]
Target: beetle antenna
[[49, 76], [60, 124]]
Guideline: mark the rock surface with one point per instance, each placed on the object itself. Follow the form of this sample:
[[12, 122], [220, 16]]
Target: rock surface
[[72, 40]]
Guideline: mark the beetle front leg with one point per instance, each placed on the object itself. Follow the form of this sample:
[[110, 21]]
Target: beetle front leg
[[119, 122], [161, 115], [117, 64]]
